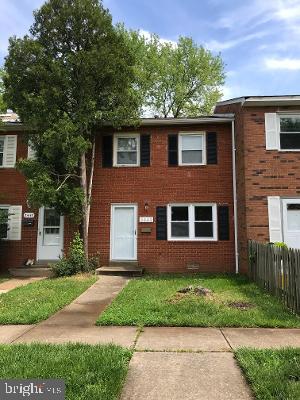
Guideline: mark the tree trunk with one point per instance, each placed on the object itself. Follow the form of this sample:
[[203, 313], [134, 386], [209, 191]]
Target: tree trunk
[[85, 227], [89, 194], [87, 185]]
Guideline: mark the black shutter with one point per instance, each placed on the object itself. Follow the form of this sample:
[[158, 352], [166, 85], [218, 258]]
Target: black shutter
[[223, 222], [161, 223], [211, 148], [145, 150], [3, 230], [107, 151], [173, 149]]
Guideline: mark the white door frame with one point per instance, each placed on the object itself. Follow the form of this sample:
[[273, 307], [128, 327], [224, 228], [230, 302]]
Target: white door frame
[[113, 207], [40, 236]]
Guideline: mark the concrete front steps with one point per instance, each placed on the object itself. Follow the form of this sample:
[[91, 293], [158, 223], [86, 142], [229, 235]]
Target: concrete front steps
[[126, 268], [39, 269]]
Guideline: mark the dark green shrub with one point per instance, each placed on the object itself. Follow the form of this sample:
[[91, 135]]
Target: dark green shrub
[[75, 261]]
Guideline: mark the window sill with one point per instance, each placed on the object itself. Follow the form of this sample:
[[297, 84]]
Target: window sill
[[192, 240], [126, 166]]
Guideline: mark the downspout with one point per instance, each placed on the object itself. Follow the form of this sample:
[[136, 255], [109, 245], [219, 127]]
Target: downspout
[[234, 199]]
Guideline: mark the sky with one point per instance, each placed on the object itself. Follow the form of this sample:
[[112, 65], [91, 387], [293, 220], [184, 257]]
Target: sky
[[259, 40]]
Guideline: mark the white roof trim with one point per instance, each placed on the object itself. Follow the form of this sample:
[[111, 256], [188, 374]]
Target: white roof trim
[[264, 100], [188, 121]]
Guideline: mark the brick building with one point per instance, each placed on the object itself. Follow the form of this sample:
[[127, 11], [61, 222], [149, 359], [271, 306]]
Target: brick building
[[267, 131], [162, 197]]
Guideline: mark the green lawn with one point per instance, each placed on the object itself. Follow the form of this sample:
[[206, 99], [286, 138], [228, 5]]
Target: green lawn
[[90, 372], [154, 301], [38, 300], [272, 374]]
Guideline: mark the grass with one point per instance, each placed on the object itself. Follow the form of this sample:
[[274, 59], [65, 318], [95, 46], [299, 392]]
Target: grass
[[90, 372], [272, 374], [38, 300], [154, 301]]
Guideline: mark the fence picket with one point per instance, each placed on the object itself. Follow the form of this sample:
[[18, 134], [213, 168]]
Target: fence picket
[[277, 270]]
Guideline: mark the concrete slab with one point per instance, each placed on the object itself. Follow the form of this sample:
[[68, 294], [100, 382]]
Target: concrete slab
[[262, 338], [84, 311], [177, 338], [184, 376], [120, 335], [8, 333], [16, 282]]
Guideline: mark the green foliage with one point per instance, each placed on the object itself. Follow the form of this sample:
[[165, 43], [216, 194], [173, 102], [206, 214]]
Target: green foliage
[[91, 372], [281, 245], [181, 79], [3, 107], [70, 75], [36, 301], [273, 374], [75, 261], [154, 301]]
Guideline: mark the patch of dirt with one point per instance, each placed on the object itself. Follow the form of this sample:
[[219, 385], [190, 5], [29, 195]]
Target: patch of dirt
[[189, 291], [241, 305]]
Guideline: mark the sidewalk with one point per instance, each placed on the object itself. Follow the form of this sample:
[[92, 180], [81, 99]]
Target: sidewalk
[[169, 363], [13, 283]]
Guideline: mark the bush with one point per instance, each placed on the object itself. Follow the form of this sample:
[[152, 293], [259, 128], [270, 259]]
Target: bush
[[75, 261]]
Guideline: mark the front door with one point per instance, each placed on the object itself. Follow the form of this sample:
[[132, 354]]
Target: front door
[[50, 234], [123, 232], [291, 222]]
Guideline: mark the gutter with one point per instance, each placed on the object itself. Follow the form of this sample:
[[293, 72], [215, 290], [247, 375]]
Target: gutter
[[236, 250]]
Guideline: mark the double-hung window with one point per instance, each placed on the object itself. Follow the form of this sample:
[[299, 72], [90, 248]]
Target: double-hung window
[[289, 131], [192, 148], [192, 221], [2, 140], [126, 150]]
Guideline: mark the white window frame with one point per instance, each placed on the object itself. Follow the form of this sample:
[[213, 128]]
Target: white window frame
[[285, 115], [191, 214], [115, 149], [4, 140], [180, 136], [5, 207]]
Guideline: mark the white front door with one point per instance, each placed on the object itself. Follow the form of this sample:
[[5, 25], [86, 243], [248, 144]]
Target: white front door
[[50, 234], [123, 232], [291, 222]]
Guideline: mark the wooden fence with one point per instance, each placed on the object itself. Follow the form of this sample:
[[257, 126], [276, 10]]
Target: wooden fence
[[277, 270]]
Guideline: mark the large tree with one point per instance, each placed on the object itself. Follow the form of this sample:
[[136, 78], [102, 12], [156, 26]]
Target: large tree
[[175, 79], [69, 76]]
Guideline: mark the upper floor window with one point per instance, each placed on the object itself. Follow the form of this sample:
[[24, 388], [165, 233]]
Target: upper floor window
[[192, 221], [8, 151], [289, 132], [192, 149], [126, 150]]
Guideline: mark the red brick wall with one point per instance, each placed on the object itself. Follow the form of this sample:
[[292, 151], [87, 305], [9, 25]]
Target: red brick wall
[[260, 173], [13, 191], [159, 185]]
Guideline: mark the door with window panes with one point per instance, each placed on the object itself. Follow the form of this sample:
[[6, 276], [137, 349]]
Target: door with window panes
[[50, 234]]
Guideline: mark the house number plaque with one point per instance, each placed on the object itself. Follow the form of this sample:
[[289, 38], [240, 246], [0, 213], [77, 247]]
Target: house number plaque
[[146, 219]]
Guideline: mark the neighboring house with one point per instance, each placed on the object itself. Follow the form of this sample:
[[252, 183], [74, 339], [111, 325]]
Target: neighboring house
[[163, 196], [267, 130]]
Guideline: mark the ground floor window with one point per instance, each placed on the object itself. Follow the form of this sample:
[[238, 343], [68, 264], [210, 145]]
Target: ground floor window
[[4, 222], [192, 221]]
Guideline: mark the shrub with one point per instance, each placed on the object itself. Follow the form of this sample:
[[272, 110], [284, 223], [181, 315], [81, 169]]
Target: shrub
[[75, 261]]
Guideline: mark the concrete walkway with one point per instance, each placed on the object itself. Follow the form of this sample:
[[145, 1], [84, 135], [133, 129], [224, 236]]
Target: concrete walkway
[[16, 282], [169, 363]]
